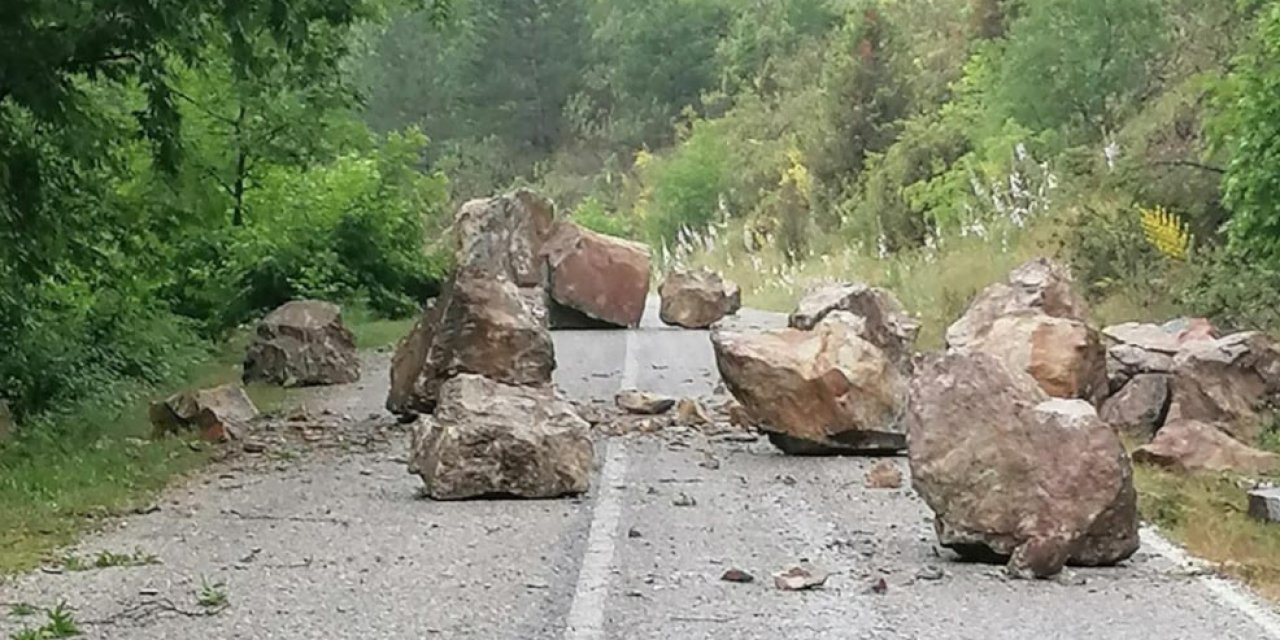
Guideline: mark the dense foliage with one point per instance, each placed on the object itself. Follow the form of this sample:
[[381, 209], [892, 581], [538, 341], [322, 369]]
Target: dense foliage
[[168, 170]]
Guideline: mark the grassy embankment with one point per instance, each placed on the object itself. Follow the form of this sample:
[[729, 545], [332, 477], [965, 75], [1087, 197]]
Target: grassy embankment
[[102, 462]]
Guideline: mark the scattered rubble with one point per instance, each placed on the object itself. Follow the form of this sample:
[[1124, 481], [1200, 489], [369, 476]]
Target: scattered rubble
[[689, 413], [819, 392], [737, 575], [219, 414], [885, 475], [643, 403], [489, 439], [1014, 475], [303, 343], [799, 579], [697, 299]]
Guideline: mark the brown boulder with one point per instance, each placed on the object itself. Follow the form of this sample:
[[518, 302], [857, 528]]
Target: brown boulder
[[217, 415], [1227, 382], [1040, 285], [825, 391], [887, 324], [503, 236], [301, 344], [1140, 407], [1011, 474], [1065, 356], [491, 440], [697, 299], [1190, 446], [600, 277], [480, 326]]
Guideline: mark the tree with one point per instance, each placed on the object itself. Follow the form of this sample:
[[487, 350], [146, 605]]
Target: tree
[[1249, 128], [1078, 63]]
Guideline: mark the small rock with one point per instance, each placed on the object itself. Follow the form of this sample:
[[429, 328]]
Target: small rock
[[885, 475], [1071, 579], [880, 587], [684, 500], [1264, 505], [148, 592], [799, 579], [930, 573], [254, 446], [790, 481], [737, 575], [689, 412], [634, 533], [643, 403]]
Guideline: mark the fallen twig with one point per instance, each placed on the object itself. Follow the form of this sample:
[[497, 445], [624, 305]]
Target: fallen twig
[[271, 518], [152, 608]]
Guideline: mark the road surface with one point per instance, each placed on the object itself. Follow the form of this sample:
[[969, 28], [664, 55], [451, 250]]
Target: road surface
[[337, 544]]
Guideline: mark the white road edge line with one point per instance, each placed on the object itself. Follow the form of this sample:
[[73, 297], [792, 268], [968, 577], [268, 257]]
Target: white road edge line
[[1226, 591], [586, 616]]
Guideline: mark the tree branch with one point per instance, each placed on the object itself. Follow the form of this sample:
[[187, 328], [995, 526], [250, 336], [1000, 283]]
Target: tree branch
[[1189, 163]]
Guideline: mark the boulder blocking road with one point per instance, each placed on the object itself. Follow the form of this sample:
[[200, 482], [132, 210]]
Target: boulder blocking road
[[339, 544]]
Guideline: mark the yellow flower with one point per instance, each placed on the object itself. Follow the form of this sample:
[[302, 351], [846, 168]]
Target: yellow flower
[[1166, 232]]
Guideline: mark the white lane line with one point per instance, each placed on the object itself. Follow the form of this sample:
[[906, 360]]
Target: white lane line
[[630, 368], [1226, 591], [586, 617]]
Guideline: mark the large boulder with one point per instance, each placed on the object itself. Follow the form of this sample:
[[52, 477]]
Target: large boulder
[[1014, 475], [490, 440], [1227, 382], [1190, 446], [887, 324], [1140, 407], [303, 343], [503, 237], [598, 277], [1064, 355], [218, 414], [1040, 285], [826, 391], [481, 326], [697, 299]]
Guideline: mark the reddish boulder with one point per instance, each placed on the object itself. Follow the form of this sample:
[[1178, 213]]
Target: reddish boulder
[[1065, 356], [1192, 446], [1013, 475], [603, 278]]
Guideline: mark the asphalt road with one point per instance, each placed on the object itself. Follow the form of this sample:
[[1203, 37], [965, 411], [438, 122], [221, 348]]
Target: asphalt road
[[337, 544]]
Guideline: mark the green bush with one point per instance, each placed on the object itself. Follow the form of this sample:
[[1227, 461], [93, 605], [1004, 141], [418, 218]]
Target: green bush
[[351, 230], [688, 184]]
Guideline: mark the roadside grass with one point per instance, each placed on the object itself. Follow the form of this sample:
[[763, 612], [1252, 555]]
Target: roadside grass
[[374, 333], [1208, 515], [73, 472]]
